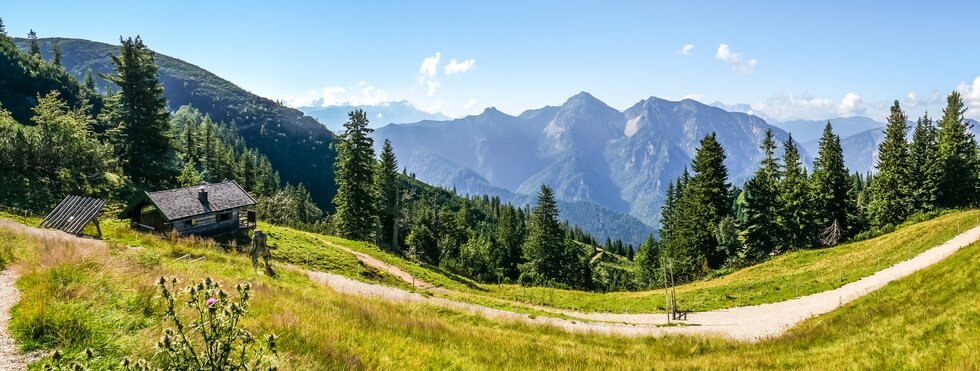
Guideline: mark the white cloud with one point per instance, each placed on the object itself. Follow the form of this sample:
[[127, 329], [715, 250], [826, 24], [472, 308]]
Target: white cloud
[[458, 67], [971, 97], [430, 65], [361, 95], [469, 105], [912, 99], [686, 49], [784, 107], [734, 59], [852, 105], [433, 87], [434, 107], [694, 96]]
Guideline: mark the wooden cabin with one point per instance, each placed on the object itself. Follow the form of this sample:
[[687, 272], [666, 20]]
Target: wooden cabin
[[207, 209]]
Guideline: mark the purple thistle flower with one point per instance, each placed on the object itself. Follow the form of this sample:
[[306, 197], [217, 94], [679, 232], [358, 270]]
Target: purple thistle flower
[[211, 301]]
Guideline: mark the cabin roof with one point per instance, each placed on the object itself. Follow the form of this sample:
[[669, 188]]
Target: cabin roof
[[183, 203]]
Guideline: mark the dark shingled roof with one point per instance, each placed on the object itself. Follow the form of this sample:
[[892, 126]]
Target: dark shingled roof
[[184, 202]]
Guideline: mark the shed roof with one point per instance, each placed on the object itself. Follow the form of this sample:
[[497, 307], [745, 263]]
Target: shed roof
[[184, 202], [73, 213]]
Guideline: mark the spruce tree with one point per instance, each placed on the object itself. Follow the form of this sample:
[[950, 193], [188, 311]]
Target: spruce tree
[[56, 54], [925, 166], [388, 197], [648, 264], [544, 249], [830, 186], [141, 135], [759, 232], [705, 200], [3, 29], [668, 212], [889, 192], [355, 168], [33, 47], [795, 206], [957, 156], [189, 176], [509, 237], [89, 81]]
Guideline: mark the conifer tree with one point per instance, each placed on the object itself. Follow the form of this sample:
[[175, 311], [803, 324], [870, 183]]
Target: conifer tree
[[56, 54], [389, 197], [3, 29], [794, 199], [759, 232], [548, 252], [889, 192], [648, 263], [89, 81], [33, 47], [509, 237], [189, 176], [705, 200], [355, 168], [830, 186], [141, 135], [925, 166], [957, 156]]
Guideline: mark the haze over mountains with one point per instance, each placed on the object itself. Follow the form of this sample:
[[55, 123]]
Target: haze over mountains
[[397, 112], [584, 149]]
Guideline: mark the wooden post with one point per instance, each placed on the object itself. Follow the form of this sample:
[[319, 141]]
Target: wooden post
[[97, 228]]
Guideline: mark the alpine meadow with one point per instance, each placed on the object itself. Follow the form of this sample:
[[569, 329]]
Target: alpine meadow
[[506, 185]]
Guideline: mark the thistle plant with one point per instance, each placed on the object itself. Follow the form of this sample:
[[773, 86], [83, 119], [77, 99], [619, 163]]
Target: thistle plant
[[207, 333]]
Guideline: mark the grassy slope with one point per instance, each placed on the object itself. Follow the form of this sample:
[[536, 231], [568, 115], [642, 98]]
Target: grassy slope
[[784, 277], [77, 296]]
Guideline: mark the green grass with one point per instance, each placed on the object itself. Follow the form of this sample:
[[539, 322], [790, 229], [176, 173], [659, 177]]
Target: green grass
[[78, 296]]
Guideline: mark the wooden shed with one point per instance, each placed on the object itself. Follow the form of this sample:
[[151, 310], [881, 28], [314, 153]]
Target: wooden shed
[[208, 209]]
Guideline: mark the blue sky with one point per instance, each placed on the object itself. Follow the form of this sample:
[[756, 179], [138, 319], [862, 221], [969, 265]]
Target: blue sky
[[787, 59]]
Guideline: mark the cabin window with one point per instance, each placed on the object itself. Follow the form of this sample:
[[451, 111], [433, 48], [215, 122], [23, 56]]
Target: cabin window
[[190, 222], [224, 217]]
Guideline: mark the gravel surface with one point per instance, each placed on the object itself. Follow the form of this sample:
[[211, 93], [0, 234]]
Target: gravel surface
[[10, 357]]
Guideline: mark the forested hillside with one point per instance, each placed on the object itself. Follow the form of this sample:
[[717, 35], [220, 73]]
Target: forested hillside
[[296, 145]]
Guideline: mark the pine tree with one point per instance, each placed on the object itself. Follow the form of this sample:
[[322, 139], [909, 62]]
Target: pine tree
[[142, 133], [189, 176], [648, 264], [547, 251], [33, 47], [795, 210], [389, 197], [957, 156], [89, 81], [509, 237], [355, 199], [925, 166], [57, 54], [3, 29], [831, 184], [889, 192], [759, 232], [705, 200]]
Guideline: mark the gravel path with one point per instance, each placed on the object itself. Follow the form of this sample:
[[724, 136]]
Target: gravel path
[[10, 357], [750, 323]]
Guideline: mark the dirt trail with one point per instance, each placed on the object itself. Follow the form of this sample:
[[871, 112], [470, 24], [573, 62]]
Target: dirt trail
[[750, 323], [10, 357], [390, 269]]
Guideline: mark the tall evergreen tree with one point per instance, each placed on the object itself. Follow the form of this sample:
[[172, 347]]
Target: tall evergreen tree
[[925, 166], [648, 264], [705, 200], [957, 156], [389, 197], [510, 236], [89, 81], [795, 210], [548, 252], [889, 192], [56, 54], [141, 135], [3, 29], [668, 212], [33, 47], [760, 232], [831, 184], [355, 199]]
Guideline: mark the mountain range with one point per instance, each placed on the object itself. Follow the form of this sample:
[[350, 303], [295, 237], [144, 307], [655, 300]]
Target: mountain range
[[397, 112], [587, 151]]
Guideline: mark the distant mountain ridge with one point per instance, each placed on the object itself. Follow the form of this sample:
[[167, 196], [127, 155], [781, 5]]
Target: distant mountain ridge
[[585, 150], [398, 112], [296, 145], [807, 130]]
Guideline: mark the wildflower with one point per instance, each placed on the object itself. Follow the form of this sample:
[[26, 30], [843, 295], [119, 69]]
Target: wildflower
[[211, 301]]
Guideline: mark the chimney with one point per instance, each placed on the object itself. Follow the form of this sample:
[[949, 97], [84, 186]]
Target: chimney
[[202, 195]]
